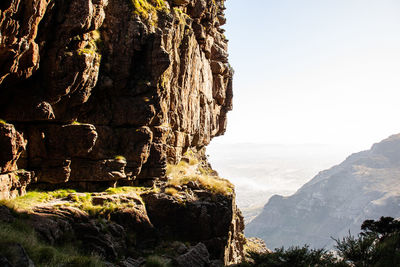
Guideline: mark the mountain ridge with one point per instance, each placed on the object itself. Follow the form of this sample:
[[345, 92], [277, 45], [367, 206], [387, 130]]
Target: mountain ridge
[[364, 186]]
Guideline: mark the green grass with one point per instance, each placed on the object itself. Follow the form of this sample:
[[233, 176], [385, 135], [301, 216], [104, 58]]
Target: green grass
[[156, 261], [41, 253], [124, 190], [147, 8], [34, 198], [82, 201]]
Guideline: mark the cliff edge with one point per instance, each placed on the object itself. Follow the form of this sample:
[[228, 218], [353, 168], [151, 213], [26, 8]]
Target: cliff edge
[[98, 94], [85, 81]]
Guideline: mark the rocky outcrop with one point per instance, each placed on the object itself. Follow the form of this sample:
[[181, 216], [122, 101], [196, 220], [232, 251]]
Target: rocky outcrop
[[200, 227], [96, 92], [13, 182], [364, 186], [200, 215]]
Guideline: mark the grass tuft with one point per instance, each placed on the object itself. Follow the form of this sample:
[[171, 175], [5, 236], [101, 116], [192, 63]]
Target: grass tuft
[[156, 261], [171, 191], [147, 9], [42, 254], [120, 158], [183, 173]]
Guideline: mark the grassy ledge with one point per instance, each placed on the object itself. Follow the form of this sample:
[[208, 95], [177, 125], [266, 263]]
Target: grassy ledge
[[192, 170], [83, 201]]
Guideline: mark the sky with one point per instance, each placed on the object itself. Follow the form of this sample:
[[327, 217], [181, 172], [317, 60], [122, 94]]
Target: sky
[[314, 71]]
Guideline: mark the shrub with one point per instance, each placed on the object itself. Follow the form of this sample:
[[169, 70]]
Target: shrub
[[377, 245]]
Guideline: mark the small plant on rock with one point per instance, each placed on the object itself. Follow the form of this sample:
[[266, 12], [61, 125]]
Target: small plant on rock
[[120, 158], [171, 191]]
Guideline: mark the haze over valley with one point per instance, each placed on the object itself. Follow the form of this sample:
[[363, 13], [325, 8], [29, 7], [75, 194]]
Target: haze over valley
[[261, 170]]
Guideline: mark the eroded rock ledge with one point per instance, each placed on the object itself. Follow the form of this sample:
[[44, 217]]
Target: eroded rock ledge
[[97, 92], [185, 223]]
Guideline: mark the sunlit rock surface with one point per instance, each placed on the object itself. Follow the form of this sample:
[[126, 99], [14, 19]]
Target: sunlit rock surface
[[97, 94], [86, 81]]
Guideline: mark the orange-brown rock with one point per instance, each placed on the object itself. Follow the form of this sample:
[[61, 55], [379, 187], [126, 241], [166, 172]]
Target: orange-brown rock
[[143, 81], [12, 144], [98, 93]]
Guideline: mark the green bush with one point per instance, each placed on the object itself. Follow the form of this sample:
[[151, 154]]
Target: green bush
[[378, 245]]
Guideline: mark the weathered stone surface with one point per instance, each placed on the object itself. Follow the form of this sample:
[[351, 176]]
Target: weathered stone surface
[[19, 56], [197, 256], [120, 224], [109, 92], [14, 184], [200, 216], [12, 144], [148, 85]]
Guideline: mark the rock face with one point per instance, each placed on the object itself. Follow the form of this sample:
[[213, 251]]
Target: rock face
[[365, 186], [96, 92], [199, 228], [202, 216]]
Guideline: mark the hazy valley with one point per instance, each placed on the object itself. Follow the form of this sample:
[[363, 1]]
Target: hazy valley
[[259, 171], [364, 186]]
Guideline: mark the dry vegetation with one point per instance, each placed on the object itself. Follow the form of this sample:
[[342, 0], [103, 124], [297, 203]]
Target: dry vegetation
[[194, 170], [71, 198]]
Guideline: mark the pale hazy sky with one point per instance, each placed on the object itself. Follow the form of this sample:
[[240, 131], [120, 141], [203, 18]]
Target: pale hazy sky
[[314, 71]]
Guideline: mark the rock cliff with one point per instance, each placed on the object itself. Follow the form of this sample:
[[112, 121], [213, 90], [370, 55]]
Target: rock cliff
[[97, 91], [364, 186], [97, 94]]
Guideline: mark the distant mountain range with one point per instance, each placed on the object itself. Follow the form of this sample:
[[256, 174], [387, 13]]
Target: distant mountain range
[[364, 186], [260, 171]]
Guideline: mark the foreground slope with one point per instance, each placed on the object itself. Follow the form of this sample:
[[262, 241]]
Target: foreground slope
[[365, 186]]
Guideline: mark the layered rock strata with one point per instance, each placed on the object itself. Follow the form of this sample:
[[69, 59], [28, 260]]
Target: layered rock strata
[[97, 92]]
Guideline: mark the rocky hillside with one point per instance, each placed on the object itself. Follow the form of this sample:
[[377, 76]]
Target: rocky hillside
[[365, 186], [98, 94]]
